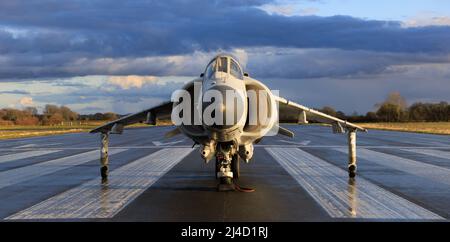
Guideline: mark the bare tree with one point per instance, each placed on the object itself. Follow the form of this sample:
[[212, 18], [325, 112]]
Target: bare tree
[[394, 98]]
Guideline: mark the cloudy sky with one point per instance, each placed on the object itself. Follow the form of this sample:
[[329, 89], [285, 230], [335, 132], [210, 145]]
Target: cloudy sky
[[123, 56]]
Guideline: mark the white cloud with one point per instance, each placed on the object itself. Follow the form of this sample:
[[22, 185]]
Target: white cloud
[[133, 81], [285, 9], [173, 65], [308, 11], [242, 56], [14, 31], [26, 101], [426, 19], [288, 10]]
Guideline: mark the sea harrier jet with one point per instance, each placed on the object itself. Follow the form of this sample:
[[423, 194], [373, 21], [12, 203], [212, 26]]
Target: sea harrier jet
[[226, 112]]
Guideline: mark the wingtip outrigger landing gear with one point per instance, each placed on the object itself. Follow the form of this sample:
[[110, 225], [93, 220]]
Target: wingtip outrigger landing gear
[[104, 159], [352, 153]]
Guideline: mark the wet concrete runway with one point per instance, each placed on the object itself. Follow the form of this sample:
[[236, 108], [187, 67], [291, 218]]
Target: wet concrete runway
[[401, 177]]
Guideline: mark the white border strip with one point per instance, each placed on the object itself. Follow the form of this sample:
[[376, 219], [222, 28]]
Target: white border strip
[[435, 153], [420, 169], [96, 200], [343, 198], [26, 154], [21, 174]]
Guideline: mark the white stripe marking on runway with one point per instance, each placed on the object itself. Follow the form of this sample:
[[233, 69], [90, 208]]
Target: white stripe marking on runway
[[431, 152], [95, 200], [343, 198], [26, 146], [21, 174], [23, 155], [421, 169], [303, 143], [158, 143]]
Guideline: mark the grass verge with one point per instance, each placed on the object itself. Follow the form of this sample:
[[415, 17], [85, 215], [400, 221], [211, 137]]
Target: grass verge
[[25, 131], [416, 127]]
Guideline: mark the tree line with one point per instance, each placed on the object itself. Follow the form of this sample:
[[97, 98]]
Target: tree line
[[51, 115], [395, 109]]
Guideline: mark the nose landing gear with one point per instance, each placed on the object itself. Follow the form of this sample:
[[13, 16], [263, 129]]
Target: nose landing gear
[[224, 172], [228, 169]]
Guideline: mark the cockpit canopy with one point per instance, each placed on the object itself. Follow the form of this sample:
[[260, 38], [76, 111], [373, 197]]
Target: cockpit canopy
[[226, 64]]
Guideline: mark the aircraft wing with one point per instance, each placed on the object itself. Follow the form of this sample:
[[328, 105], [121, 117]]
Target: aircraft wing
[[291, 112], [149, 116]]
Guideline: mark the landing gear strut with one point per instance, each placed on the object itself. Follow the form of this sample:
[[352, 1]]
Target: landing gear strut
[[352, 153], [104, 159], [228, 169], [234, 167], [225, 166], [224, 173]]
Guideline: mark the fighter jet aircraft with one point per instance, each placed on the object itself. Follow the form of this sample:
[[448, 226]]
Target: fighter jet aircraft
[[226, 112]]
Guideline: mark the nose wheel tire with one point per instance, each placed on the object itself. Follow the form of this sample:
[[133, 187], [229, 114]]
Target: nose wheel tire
[[226, 180], [226, 185]]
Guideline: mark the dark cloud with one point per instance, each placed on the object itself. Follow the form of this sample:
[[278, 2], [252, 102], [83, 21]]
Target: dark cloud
[[142, 28], [20, 92], [319, 63], [65, 83], [85, 94], [416, 82], [52, 38]]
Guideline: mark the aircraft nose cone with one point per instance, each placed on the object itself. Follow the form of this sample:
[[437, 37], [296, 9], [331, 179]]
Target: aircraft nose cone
[[220, 107]]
